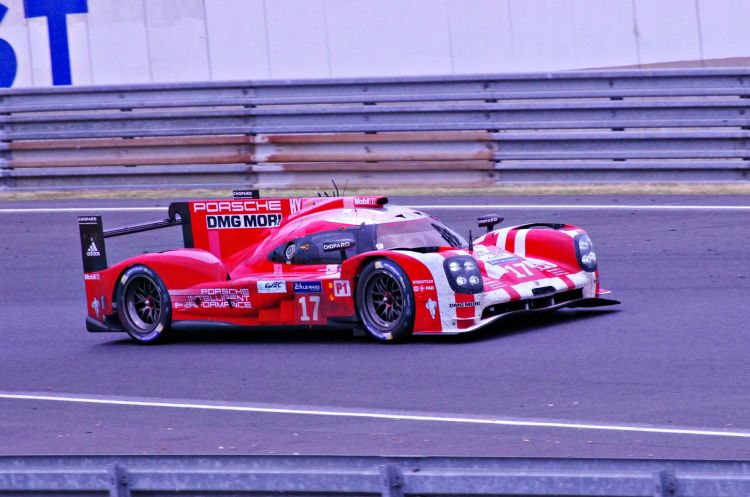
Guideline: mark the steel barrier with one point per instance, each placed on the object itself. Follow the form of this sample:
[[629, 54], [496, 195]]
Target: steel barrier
[[688, 124], [368, 476]]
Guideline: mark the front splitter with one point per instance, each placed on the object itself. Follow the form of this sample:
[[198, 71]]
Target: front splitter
[[587, 302]]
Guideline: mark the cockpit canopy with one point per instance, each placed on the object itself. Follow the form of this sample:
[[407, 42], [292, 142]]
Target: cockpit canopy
[[420, 233]]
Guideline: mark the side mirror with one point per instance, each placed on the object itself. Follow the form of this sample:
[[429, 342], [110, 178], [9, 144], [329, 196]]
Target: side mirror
[[341, 245], [489, 221]]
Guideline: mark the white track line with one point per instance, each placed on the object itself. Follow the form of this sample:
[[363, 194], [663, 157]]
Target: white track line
[[589, 207], [386, 415], [32, 210]]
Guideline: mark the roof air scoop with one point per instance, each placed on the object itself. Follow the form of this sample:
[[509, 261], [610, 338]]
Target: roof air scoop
[[372, 202]]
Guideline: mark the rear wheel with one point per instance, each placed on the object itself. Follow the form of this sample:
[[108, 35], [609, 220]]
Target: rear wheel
[[144, 305], [385, 301]]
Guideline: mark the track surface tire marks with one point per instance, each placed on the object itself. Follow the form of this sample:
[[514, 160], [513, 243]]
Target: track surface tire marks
[[673, 354]]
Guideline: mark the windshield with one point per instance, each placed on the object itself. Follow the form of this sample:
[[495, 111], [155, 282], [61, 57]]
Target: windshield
[[418, 233]]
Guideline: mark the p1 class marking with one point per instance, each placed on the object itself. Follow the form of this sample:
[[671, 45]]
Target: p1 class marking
[[386, 415]]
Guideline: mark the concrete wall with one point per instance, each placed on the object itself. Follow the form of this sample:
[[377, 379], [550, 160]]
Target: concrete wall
[[133, 41]]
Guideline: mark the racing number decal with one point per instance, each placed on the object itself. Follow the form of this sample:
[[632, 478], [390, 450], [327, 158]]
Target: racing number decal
[[308, 305], [521, 266]]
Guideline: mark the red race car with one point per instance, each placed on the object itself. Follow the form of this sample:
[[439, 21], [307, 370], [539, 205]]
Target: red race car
[[336, 261]]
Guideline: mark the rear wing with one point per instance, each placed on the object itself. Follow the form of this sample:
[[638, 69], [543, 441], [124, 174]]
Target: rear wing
[[221, 227], [224, 228], [93, 247]]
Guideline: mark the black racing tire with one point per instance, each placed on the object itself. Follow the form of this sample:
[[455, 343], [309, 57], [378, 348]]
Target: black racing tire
[[385, 302], [143, 305]]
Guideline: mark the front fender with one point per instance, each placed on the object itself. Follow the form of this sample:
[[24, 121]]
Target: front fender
[[553, 243], [433, 312]]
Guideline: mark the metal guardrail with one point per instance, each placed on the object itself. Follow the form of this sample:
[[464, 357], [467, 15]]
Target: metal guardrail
[[634, 124], [369, 476]]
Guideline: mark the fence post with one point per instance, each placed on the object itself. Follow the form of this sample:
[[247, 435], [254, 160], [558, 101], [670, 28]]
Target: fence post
[[666, 484], [120, 486], [393, 481]]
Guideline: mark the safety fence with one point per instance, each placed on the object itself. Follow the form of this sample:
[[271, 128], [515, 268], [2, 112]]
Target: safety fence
[[368, 476], [687, 124]]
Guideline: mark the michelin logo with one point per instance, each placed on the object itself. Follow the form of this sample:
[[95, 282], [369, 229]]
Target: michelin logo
[[431, 306], [271, 287], [98, 305]]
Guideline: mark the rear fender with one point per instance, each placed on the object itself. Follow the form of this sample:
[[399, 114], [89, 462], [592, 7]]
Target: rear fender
[[183, 268]]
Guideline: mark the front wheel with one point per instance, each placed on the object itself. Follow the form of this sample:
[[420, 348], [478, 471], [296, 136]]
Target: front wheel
[[385, 301], [144, 305]]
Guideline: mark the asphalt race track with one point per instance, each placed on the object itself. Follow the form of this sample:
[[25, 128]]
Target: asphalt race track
[[666, 375]]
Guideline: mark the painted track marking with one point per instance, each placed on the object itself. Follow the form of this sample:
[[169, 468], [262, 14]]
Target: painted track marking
[[384, 415], [48, 210], [590, 207]]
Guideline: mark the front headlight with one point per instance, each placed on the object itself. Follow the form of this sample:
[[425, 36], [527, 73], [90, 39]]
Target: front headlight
[[463, 274], [585, 252]]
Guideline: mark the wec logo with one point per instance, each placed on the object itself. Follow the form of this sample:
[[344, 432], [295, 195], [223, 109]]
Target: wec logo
[[271, 287]]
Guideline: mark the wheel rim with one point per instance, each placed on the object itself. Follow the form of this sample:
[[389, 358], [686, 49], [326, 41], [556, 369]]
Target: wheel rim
[[384, 300], [143, 302]]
